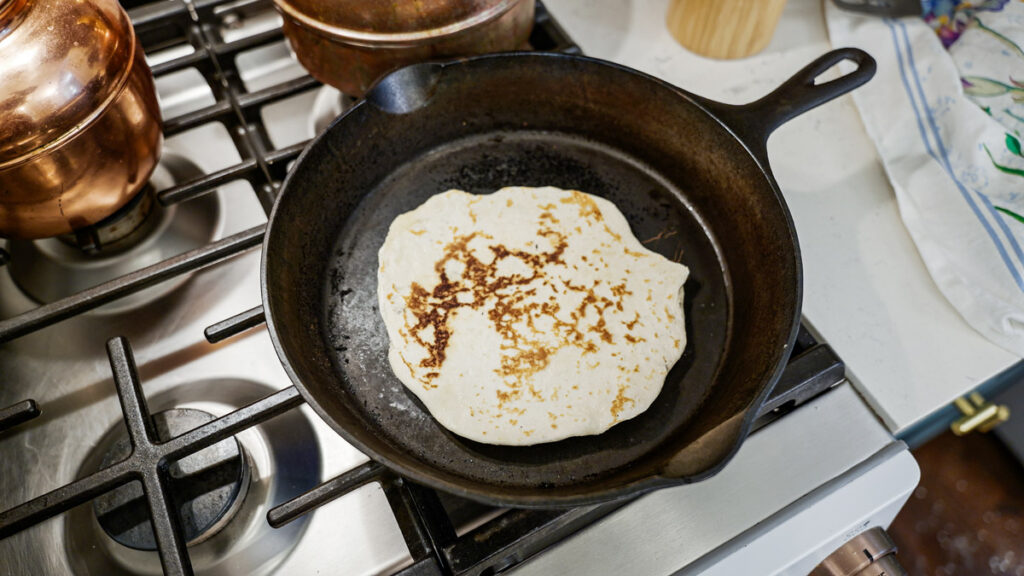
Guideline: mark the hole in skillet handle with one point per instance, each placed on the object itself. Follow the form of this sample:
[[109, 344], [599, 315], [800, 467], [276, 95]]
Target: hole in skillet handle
[[407, 89], [754, 122]]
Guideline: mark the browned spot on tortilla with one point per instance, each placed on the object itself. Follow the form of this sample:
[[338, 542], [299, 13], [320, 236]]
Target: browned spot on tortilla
[[634, 340], [632, 324], [601, 331], [526, 346], [548, 216], [588, 208], [620, 402], [418, 232]]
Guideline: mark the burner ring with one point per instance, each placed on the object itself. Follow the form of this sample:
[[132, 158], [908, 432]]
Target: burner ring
[[283, 460], [49, 269], [206, 487]]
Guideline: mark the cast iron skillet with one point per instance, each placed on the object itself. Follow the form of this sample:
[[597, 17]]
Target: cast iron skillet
[[688, 169]]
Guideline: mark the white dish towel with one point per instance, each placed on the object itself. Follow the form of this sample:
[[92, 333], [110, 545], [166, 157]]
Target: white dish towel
[[958, 172]]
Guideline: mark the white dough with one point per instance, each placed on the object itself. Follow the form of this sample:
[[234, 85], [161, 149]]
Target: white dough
[[528, 315]]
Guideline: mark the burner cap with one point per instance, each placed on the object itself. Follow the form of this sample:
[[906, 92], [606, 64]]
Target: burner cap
[[206, 487]]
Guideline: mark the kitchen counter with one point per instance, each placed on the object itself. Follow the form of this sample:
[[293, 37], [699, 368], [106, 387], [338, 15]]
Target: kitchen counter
[[866, 290]]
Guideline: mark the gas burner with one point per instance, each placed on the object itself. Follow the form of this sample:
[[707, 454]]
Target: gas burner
[[328, 105], [210, 486], [140, 234], [119, 231], [222, 493]]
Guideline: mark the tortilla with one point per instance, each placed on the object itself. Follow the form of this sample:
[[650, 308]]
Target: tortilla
[[528, 315]]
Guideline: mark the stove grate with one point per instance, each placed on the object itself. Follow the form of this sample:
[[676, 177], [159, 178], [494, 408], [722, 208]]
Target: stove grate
[[197, 25], [426, 525], [16, 414], [148, 462]]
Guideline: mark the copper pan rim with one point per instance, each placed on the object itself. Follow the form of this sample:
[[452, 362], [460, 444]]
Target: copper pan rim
[[392, 39]]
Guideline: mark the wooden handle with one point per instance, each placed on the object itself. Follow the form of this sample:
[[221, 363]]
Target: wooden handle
[[724, 28]]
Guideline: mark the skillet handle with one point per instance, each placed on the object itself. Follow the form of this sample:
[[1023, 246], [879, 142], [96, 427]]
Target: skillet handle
[[754, 122]]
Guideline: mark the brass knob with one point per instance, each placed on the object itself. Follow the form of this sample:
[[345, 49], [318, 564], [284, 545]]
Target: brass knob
[[978, 414]]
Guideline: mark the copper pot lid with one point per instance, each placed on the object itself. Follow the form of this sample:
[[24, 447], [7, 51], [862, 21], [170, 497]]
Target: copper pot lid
[[62, 64], [393, 22]]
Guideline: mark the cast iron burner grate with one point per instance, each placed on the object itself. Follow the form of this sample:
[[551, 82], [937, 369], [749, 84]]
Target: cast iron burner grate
[[426, 518]]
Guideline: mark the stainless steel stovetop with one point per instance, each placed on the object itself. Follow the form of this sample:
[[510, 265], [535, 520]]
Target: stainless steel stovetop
[[238, 108]]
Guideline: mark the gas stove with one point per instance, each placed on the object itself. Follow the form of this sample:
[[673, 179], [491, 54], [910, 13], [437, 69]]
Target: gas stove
[[122, 353]]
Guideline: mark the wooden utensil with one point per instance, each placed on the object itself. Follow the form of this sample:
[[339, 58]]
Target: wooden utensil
[[724, 28]]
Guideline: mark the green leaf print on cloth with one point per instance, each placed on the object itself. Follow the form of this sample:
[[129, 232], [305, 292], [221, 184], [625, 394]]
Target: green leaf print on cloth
[[1013, 145], [1011, 214], [990, 59], [978, 87], [949, 133]]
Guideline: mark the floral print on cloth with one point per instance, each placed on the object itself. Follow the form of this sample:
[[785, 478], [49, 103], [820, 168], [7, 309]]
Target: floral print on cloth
[[989, 56], [949, 18], [947, 124]]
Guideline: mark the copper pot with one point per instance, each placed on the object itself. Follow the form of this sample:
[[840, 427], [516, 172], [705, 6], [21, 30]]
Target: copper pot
[[79, 121], [349, 44]]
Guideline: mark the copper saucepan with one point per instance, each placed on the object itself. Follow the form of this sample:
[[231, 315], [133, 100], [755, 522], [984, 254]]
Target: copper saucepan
[[349, 44], [79, 121]]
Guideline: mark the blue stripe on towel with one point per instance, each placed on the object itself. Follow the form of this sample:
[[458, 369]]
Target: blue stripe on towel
[[944, 160]]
